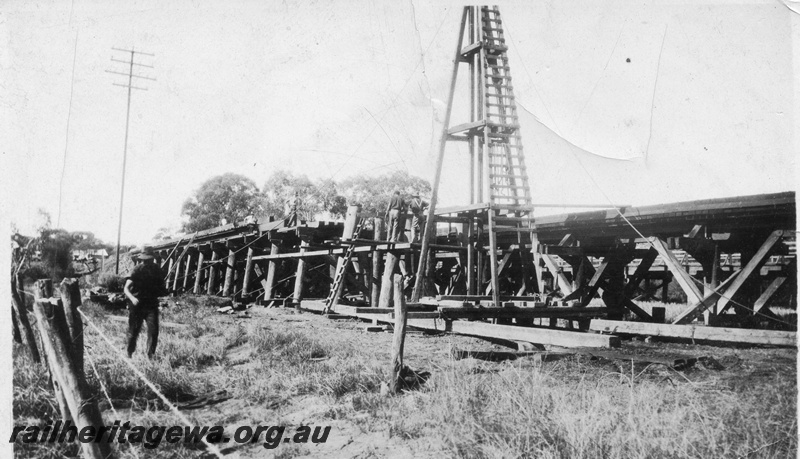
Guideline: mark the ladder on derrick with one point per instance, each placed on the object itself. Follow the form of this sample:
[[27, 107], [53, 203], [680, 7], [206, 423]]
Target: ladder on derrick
[[341, 269], [509, 188], [499, 175]]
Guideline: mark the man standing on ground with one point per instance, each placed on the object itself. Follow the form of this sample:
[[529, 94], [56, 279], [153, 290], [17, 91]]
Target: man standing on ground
[[417, 206], [396, 205], [143, 287]]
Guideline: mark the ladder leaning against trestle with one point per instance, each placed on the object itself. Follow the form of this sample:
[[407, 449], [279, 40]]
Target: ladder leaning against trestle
[[341, 269]]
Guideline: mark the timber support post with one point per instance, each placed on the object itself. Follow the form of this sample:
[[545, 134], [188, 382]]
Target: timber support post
[[377, 263], [387, 282], [187, 270], [73, 390], [300, 276], [398, 342], [176, 275], [211, 288], [198, 277], [269, 287], [230, 268], [248, 272]]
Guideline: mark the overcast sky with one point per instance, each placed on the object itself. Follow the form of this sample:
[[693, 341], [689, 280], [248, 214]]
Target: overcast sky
[[628, 102]]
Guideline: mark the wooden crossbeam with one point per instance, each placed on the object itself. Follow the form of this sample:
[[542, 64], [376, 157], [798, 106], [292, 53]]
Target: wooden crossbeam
[[262, 278], [594, 283], [500, 268], [768, 293], [561, 279], [697, 308], [641, 272], [751, 267], [628, 303], [684, 279]]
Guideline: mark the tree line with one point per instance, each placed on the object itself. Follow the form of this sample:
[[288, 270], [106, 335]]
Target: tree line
[[231, 198]]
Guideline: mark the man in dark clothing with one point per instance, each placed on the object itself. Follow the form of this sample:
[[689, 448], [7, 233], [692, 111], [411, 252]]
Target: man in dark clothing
[[143, 287], [417, 206], [396, 205]]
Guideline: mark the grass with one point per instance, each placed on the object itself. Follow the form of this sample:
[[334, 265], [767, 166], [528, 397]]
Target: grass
[[570, 408]]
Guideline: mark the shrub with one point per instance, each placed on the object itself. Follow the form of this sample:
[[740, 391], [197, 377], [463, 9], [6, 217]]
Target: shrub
[[36, 271], [111, 282]]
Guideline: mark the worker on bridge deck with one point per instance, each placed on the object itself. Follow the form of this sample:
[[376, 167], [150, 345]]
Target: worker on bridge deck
[[393, 210], [417, 207]]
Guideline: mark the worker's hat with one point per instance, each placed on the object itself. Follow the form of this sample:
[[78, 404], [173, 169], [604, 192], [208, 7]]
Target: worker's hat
[[143, 253]]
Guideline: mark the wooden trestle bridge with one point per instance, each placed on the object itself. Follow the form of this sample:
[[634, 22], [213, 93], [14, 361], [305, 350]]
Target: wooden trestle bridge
[[510, 275], [740, 253]]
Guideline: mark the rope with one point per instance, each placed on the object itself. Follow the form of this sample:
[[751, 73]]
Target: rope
[[149, 384]]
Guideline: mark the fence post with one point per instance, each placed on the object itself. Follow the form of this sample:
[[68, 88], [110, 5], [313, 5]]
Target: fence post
[[71, 299], [52, 325], [22, 316], [399, 334], [15, 327], [43, 289]]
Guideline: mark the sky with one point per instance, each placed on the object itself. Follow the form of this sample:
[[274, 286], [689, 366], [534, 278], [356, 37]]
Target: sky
[[620, 102]]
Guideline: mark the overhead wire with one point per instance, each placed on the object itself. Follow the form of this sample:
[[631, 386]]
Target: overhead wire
[[66, 141]]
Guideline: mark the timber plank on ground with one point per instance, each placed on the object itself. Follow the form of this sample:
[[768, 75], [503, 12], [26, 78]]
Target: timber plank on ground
[[522, 313], [697, 332], [485, 330], [534, 335]]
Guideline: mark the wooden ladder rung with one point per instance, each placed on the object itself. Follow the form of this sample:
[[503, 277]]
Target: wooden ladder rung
[[502, 125], [499, 86], [515, 219], [510, 176], [496, 48], [508, 187]]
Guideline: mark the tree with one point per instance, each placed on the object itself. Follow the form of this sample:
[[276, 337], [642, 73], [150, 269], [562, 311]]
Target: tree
[[228, 198], [280, 192], [328, 199], [373, 193], [165, 233]]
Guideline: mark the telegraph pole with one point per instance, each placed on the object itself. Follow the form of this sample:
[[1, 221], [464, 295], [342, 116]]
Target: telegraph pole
[[130, 87]]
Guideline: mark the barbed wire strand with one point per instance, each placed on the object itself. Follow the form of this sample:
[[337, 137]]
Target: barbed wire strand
[[149, 384]]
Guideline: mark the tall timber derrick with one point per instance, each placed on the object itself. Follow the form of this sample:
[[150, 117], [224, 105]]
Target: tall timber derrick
[[500, 195]]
